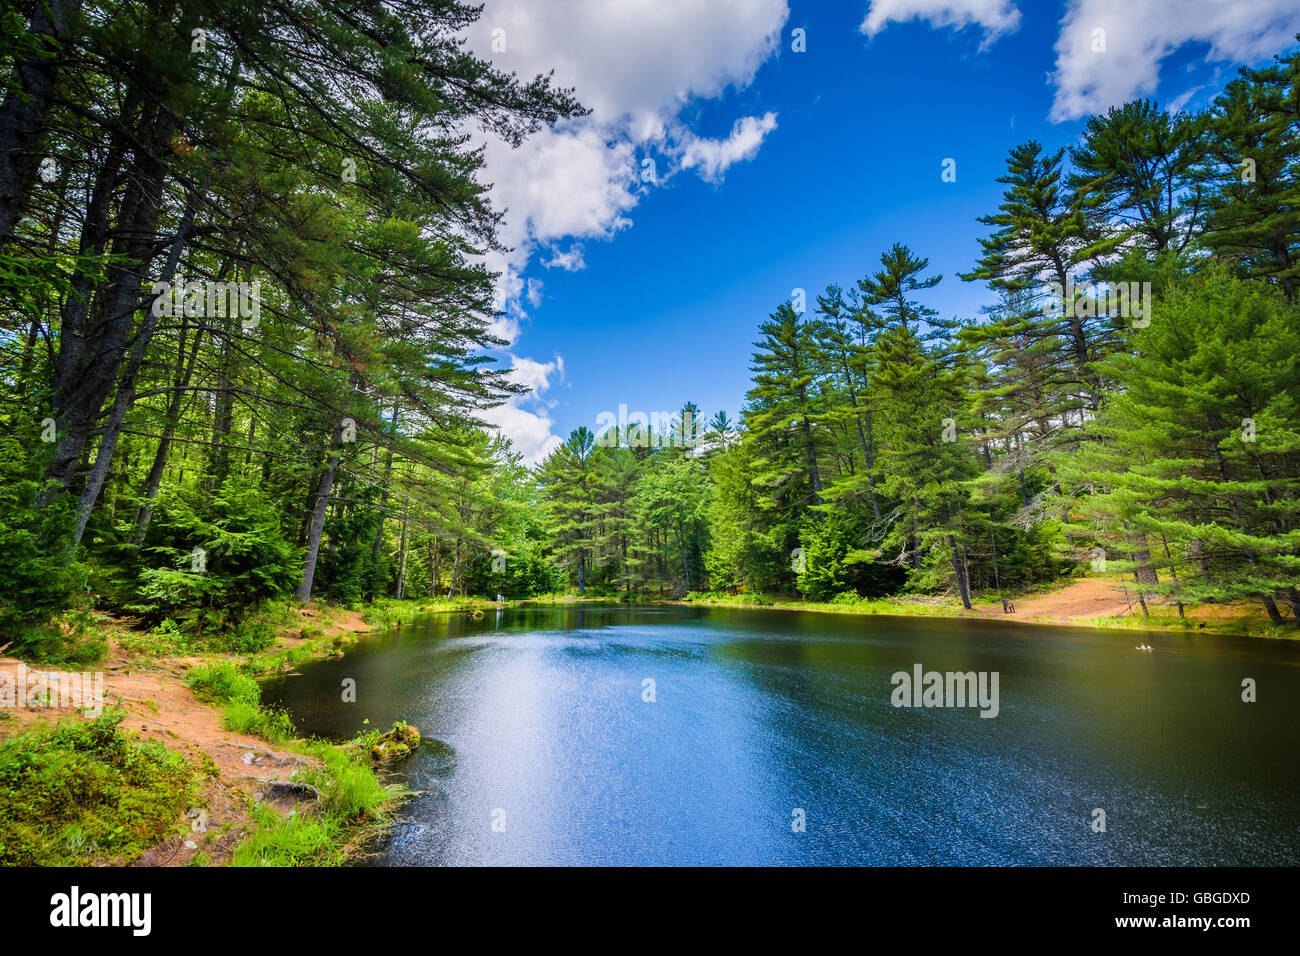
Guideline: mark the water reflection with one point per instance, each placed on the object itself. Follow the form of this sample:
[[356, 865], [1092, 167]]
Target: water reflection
[[759, 713]]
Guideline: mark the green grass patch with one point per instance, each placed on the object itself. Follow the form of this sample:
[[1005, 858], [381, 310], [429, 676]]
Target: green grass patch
[[298, 839], [222, 683], [241, 700], [389, 612], [83, 792], [353, 801], [242, 717]]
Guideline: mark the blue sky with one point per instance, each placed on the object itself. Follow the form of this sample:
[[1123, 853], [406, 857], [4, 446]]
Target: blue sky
[[778, 170]]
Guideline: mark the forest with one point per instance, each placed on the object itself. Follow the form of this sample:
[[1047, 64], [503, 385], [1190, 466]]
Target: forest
[[245, 352]]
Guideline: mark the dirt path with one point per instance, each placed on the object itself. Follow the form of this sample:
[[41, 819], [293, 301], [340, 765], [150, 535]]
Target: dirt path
[[160, 707], [1084, 599], [1077, 603]]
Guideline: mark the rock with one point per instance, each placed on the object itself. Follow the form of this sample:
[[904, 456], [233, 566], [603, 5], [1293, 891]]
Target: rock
[[407, 734], [395, 744]]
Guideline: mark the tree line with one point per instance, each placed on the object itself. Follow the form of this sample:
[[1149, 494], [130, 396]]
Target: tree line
[[245, 315], [1129, 403], [245, 339]]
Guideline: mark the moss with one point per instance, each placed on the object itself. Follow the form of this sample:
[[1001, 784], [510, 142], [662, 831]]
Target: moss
[[395, 744]]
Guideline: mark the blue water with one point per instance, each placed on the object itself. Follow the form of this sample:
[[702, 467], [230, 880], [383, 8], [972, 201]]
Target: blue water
[[544, 731]]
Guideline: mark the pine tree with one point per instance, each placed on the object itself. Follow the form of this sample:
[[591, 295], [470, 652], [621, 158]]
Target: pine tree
[[1253, 163], [568, 479], [1200, 449], [1135, 171], [1043, 236], [782, 413]]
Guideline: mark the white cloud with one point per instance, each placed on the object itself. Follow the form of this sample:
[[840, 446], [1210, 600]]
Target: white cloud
[[570, 260], [529, 428], [637, 64], [1139, 34], [995, 16], [560, 183], [635, 60], [505, 327], [1182, 99], [534, 292], [712, 157]]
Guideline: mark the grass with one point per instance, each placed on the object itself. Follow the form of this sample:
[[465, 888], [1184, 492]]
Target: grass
[[222, 683], [1167, 619], [294, 840], [84, 793], [353, 802], [1248, 621], [897, 606], [567, 597], [390, 612], [241, 699], [353, 799]]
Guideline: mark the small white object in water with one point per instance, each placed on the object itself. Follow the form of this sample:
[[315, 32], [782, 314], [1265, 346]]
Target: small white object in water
[[1142, 647]]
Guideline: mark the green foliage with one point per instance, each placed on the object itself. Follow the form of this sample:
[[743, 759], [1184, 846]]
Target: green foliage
[[1199, 454], [826, 546], [243, 717], [351, 797], [241, 696], [298, 839], [85, 793], [36, 582], [222, 683], [194, 473], [1252, 169], [224, 555]]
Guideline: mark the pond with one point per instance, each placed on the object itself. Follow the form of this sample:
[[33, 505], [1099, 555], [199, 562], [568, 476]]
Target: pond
[[602, 734]]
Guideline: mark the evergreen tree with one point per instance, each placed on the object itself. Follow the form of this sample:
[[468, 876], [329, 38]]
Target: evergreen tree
[[1200, 450], [1253, 163], [782, 414]]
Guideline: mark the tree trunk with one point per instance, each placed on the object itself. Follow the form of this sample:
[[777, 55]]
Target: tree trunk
[[180, 386], [91, 348], [1271, 606], [401, 565], [321, 504], [814, 474], [26, 103], [125, 396], [383, 499], [435, 565]]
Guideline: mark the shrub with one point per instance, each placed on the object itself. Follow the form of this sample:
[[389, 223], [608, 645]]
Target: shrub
[[85, 792]]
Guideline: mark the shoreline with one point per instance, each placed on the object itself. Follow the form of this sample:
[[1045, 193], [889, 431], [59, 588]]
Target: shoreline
[[1089, 603], [247, 781], [249, 776]]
